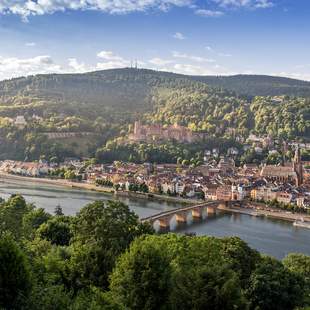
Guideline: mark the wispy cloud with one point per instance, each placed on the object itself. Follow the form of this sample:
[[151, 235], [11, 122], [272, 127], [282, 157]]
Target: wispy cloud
[[179, 36], [30, 44], [209, 13], [192, 57], [224, 54], [111, 60], [159, 61], [258, 4], [27, 8]]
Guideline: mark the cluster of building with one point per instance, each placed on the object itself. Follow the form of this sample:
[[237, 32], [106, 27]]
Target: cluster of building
[[157, 132], [215, 180]]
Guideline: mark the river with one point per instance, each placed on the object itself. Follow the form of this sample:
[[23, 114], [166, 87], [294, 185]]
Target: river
[[273, 237]]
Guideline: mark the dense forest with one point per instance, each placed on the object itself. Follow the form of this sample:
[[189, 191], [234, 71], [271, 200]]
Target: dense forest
[[105, 258], [106, 103], [258, 85]]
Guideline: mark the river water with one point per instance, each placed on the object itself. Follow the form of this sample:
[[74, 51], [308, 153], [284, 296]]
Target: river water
[[273, 237]]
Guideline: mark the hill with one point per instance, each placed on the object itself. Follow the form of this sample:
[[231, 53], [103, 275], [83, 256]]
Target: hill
[[127, 87], [258, 85], [104, 104]]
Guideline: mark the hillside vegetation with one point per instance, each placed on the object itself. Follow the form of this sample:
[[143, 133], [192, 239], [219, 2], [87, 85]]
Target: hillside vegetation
[[258, 85], [105, 258], [106, 103]]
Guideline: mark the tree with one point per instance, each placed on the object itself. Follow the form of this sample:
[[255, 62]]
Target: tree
[[11, 215], [57, 230], [202, 275], [274, 287], [212, 287], [58, 211], [101, 233], [142, 276], [300, 264], [240, 257], [32, 221], [15, 280], [69, 175]]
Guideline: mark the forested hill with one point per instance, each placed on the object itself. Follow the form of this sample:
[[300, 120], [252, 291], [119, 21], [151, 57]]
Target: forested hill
[[124, 88], [129, 87], [258, 85], [106, 103]]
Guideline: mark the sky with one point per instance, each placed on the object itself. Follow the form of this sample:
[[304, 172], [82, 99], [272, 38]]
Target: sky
[[197, 37]]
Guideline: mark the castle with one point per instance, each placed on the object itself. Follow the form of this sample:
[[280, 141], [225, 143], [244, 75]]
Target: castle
[[155, 132]]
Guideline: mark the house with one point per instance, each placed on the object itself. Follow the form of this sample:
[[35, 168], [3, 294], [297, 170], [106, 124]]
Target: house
[[263, 193], [20, 122], [210, 192], [224, 192], [284, 197], [168, 187]]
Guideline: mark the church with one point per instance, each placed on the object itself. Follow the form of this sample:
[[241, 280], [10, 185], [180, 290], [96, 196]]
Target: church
[[289, 173]]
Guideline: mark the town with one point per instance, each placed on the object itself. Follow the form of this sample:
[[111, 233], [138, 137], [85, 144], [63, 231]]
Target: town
[[286, 186]]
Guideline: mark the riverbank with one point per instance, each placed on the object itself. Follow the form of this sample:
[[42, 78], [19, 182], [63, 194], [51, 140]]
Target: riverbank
[[252, 211], [93, 187], [276, 214]]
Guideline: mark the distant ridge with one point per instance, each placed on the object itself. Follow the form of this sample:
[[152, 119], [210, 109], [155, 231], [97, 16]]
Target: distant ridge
[[258, 85], [94, 83]]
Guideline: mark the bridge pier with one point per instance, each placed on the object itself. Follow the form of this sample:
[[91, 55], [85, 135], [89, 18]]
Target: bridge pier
[[197, 213], [164, 223], [211, 210], [181, 217]]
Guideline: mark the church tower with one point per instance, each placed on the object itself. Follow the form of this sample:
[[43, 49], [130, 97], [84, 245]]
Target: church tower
[[297, 165]]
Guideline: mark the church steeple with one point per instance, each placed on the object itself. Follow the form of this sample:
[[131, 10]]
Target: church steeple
[[297, 165], [297, 157]]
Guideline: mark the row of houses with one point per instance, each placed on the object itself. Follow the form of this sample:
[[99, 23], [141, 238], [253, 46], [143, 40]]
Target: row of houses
[[214, 181]]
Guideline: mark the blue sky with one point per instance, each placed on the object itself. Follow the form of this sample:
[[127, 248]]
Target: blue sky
[[193, 37]]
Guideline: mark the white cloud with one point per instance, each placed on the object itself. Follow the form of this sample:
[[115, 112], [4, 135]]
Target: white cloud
[[209, 48], [26, 8], [179, 36], [109, 55], [263, 4], [112, 61], [159, 61], [14, 67], [224, 54], [258, 4], [192, 57], [76, 66], [30, 44], [209, 13]]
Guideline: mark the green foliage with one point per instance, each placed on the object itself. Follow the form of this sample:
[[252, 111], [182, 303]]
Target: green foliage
[[274, 287], [165, 152], [106, 103], [32, 221], [258, 85], [106, 183], [105, 258], [11, 215], [101, 233], [15, 280], [287, 119], [57, 230], [300, 264], [141, 279]]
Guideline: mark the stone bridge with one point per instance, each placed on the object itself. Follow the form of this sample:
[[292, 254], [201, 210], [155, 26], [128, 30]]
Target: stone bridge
[[181, 214]]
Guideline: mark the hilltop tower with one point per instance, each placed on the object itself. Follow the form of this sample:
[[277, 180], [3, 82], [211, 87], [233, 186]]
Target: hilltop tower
[[297, 165]]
